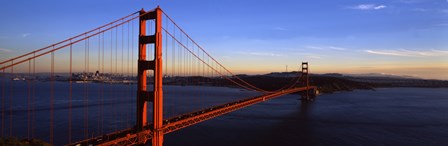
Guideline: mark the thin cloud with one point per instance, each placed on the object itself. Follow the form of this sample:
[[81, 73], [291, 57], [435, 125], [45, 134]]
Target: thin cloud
[[387, 53], [444, 11], [440, 51], [412, 1], [25, 35], [439, 25], [420, 10], [260, 54], [326, 48], [314, 47], [5, 50], [368, 7], [337, 48], [280, 28], [313, 57], [409, 53], [309, 55]]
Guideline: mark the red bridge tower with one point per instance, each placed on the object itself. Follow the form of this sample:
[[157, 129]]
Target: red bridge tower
[[156, 95]]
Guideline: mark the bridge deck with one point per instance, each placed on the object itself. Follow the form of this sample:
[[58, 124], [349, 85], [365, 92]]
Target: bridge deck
[[131, 136]]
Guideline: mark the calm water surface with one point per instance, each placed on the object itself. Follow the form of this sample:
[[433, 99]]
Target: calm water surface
[[387, 116]]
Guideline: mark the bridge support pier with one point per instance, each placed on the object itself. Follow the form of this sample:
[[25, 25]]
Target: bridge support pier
[[309, 95], [155, 96]]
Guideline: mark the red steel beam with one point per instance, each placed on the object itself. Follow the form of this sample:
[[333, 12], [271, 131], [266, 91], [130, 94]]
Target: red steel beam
[[203, 115], [157, 139], [156, 96], [132, 137], [141, 83]]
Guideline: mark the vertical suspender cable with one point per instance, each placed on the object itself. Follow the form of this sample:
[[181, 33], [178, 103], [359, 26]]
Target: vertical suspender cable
[[33, 96], [122, 50], [111, 72], [188, 61], [166, 61], [85, 89], [29, 100], [98, 78], [122, 73], [175, 77], [116, 73], [132, 61], [116, 50], [173, 52], [102, 85], [70, 98], [10, 101], [3, 103], [166, 50], [52, 100], [127, 77]]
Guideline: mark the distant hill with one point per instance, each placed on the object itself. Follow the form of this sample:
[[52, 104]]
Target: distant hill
[[326, 83], [382, 75], [332, 82]]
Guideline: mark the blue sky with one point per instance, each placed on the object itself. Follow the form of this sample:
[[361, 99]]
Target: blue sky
[[403, 37]]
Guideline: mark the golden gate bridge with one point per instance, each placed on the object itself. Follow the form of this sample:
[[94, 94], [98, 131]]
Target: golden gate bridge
[[55, 85]]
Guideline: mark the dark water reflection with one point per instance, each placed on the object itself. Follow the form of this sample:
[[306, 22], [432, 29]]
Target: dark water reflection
[[388, 116], [394, 116]]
